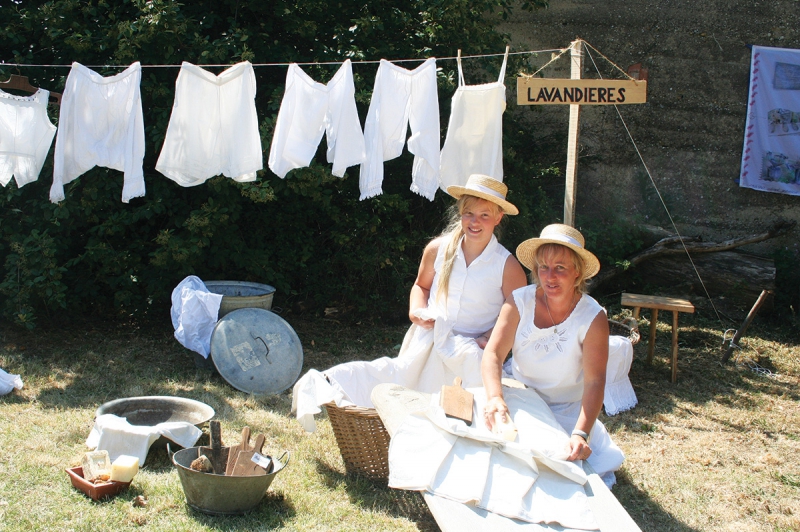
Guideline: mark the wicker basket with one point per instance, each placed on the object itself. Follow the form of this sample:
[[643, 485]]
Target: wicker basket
[[364, 442], [362, 439]]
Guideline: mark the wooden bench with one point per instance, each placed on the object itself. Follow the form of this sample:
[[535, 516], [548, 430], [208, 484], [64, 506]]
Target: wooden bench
[[656, 303], [394, 403]]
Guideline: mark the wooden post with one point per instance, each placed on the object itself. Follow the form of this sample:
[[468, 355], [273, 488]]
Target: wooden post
[[572, 143], [652, 342], [674, 346]]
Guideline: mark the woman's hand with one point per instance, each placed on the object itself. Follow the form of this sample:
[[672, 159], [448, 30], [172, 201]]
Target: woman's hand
[[493, 406], [578, 448], [425, 324], [482, 340]]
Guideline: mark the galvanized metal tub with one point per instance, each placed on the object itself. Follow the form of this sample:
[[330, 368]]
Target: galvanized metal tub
[[241, 294], [222, 494], [150, 410]]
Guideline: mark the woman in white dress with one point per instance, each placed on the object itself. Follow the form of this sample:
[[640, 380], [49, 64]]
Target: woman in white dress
[[558, 336], [464, 277]]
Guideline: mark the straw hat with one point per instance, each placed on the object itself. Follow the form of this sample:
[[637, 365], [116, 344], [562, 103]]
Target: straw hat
[[565, 236], [485, 187]]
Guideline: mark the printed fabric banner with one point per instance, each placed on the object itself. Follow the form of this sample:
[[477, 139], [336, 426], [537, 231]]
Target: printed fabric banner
[[771, 154]]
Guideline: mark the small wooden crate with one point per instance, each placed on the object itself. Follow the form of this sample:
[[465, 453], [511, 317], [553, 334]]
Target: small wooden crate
[[362, 439]]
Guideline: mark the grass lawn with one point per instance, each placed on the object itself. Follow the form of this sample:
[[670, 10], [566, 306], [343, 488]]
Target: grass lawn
[[715, 451]]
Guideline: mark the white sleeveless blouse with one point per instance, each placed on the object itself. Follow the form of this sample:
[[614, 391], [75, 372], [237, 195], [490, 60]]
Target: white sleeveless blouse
[[475, 293], [550, 360]]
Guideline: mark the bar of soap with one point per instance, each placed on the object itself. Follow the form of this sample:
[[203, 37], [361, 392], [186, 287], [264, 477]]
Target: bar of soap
[[504, 426], [124, 468], [96, 466]]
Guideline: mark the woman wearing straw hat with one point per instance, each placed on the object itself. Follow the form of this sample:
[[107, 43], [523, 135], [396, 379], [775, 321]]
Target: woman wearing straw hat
[[464, 278], [468, 239], [558, 336]]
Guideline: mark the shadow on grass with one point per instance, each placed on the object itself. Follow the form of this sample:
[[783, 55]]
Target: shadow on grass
[[646, 512], [375, 494]]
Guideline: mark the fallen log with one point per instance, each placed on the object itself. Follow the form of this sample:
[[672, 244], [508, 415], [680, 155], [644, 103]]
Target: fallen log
[[723, 271], [732, 275]]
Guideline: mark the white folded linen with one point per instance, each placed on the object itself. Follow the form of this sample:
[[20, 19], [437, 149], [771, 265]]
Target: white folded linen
[[528, 479], [114, 434]]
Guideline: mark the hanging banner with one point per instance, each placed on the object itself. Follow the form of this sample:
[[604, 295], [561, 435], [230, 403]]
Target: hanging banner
[[771, 153], [548, 91]]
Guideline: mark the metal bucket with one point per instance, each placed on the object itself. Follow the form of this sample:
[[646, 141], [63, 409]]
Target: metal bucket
[[222, 494], [241, 294]]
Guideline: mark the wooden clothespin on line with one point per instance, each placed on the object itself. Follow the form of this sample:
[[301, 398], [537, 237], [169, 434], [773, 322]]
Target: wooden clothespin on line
[[21, 83]]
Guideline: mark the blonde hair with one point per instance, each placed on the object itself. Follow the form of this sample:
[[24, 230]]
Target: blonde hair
[[452, 236], [546, 252]]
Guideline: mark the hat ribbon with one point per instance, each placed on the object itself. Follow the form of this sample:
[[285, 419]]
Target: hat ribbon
[[564, 238], [485, 190]]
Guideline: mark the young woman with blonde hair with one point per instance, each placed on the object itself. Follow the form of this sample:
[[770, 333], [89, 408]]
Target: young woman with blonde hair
[[464, 278]]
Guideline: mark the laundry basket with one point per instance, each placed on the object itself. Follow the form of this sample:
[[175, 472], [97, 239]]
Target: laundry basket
[[362, 439]]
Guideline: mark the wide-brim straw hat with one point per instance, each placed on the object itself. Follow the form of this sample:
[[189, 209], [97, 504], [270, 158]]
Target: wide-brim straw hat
[[564, 235], [485, 187]]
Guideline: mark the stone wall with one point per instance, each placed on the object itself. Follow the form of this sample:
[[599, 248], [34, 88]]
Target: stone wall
[[689, 134]]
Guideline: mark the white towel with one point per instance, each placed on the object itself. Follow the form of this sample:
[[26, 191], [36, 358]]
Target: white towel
[[8, 382], [114, 434], [312, 391], [194, 314]]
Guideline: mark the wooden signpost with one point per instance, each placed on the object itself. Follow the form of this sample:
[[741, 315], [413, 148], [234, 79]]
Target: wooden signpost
[[576, 92]]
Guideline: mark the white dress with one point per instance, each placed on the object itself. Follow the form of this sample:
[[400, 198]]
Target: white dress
[[428, 358], [213, 128], [550, 361], [26, 134], [100, 124], [308, 110]]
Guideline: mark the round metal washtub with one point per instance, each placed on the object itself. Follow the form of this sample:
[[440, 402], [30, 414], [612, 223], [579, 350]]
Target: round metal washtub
[[256, 351], [154, 409], [241, 294], [222, 494], [150, 410]]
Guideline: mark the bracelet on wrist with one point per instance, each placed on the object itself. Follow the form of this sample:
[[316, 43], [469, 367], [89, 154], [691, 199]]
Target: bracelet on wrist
[[582, 434]]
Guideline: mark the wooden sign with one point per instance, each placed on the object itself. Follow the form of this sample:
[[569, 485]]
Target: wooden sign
[[549, 91]]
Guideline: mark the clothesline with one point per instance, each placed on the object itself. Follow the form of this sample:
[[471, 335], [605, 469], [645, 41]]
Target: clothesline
[[438, 59]]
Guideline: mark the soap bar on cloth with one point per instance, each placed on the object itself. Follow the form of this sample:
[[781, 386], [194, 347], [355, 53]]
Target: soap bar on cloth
[[124, 468], [504, 426], [96, 466]]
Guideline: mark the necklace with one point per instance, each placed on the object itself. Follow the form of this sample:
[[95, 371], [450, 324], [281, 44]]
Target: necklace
[[555, 325]]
